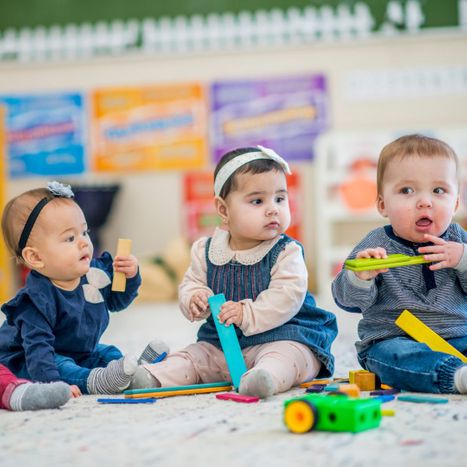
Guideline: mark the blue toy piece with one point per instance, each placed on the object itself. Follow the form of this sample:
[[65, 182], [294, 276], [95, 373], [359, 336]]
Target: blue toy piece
[[127, 401], [229, 341]]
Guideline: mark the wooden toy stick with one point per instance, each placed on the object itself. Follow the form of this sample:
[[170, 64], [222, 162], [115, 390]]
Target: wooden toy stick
[[422, 333], [119, 280], [177, 390]]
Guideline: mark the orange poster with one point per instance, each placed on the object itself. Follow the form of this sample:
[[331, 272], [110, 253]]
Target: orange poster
[[147, 128], [4, 264]]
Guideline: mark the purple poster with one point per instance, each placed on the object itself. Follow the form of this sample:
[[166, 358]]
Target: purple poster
[[285, 114]]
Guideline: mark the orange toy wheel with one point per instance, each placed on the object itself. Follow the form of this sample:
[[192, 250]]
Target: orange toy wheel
[[300, 416]]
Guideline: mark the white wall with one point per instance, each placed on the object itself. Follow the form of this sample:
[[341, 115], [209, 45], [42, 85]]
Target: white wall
[[148, 209]]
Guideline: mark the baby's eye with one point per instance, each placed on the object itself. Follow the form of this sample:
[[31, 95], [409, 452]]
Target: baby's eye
[[406, 190], [280, 199], [70, 239], [439, 191], [86, 233], [256, 202]]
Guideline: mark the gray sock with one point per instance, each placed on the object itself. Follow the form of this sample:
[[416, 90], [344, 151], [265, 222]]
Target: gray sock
[[257, 382], [152, 351], [460, 379], [143, 379], [114, 378], [37, 396]]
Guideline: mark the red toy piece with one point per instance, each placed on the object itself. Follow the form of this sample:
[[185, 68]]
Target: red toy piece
[[232, 396]]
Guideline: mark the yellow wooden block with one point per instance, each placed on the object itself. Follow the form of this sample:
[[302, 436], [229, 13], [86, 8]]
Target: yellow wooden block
[[422, 333], [119, 280], [352, 374], [388, 413], [365, 380]]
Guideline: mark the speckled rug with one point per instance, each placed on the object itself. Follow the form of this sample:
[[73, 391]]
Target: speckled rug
[[201, 430]]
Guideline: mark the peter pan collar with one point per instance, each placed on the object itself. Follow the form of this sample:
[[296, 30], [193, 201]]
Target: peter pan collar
[[220, 252]]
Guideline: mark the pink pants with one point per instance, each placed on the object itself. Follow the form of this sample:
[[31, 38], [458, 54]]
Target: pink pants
[[8, 383], [288, 362]]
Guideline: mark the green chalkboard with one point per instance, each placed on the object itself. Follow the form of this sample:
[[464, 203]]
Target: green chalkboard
[[31, 13]]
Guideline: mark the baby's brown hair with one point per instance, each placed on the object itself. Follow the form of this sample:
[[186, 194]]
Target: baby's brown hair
[[413, 145]]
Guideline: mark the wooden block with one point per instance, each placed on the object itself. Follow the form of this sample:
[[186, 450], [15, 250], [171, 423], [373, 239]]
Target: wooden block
[[352, 374], [119, 280], [365, 380]]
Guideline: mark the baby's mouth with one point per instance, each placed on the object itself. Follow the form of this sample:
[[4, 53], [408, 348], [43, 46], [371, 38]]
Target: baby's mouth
[[424, 222]]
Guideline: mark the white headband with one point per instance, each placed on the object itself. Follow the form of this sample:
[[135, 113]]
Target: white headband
[[230, 167]]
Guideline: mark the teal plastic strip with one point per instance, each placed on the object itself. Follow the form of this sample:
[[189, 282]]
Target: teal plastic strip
[[423, 399], [229, 342], [178, 388], [392, 261]]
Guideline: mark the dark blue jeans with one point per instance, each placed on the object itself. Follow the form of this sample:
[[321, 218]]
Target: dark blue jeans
[[77, 371], [406, 364]]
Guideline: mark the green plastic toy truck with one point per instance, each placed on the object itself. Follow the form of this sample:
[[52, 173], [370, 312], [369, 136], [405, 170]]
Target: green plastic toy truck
[[331, 413]]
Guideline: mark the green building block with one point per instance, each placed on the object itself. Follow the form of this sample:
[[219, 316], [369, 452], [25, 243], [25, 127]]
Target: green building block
[[331, 413]]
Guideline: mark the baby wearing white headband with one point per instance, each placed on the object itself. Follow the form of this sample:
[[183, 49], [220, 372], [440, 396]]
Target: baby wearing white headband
[[285, 339]]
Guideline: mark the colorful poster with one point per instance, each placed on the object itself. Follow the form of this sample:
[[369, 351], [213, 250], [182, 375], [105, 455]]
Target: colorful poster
[[200, 217], [45, 134], [4, 263], [146, 128], [285, 114]]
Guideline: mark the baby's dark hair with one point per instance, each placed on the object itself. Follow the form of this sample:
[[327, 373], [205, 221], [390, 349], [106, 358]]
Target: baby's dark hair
[[16, 213], [254, 167]]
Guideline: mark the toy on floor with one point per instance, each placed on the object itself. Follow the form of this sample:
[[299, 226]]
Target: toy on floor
[[422, 333], [146, 400], [392, 261], [422, 399], [119, 280], [229, 342], [232, 396], [331, 413], [178, 390]]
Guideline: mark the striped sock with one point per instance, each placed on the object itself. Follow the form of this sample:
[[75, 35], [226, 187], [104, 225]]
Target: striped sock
[[37, 396], [152, 351], [114, 378]]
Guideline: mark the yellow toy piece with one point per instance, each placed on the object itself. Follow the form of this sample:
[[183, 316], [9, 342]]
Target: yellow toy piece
[[422, 333], [351, 390], [300, 416], [365, 380], [119, 280], [352, 374]]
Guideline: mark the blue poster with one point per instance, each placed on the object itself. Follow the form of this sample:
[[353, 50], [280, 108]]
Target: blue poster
[[45, 134]]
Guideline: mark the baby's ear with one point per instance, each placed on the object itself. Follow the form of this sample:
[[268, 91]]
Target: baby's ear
[[31, 258], [381, 206], [221, 208]]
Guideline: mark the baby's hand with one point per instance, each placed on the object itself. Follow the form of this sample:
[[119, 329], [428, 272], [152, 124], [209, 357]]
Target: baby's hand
[[446, 254], [231, 313], [126, 264], [371, 253], [75, 391], [199, 307]]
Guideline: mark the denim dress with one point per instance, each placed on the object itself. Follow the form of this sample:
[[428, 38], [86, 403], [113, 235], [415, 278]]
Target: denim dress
[[311, 326]]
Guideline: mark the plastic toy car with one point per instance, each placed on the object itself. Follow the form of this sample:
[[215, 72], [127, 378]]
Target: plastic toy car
[[331, 413]]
